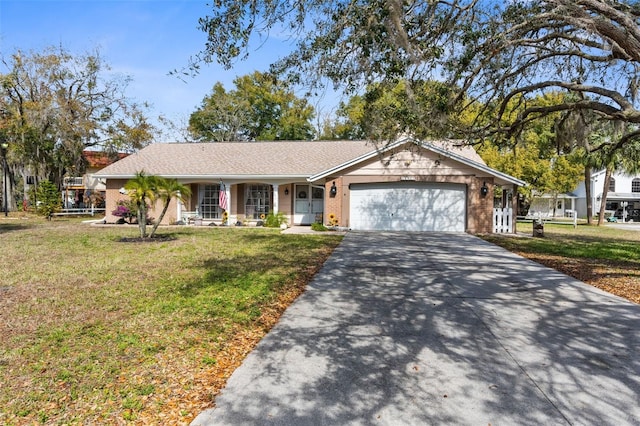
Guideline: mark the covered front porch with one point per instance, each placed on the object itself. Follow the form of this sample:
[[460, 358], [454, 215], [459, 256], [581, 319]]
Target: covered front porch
[[250, 202], [550, 206]]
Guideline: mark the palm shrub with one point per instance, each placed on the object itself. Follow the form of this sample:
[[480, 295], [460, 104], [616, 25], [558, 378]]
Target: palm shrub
[[142, 192], [166, 190], [274, 220]]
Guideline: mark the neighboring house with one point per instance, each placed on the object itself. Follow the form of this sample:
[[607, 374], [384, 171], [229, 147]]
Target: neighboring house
[[86, 191], [407, 185], [547, 206], [624, 190]]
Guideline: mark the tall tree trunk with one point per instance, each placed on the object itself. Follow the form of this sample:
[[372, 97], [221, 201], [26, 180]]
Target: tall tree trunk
[[142, 219], [587, 189], [8, 187], [605, 190], [155, 225]]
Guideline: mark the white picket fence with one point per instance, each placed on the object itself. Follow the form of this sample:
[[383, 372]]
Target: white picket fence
[[502, 221]]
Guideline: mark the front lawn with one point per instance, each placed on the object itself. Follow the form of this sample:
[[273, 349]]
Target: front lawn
[[605, 257], [99, 331]]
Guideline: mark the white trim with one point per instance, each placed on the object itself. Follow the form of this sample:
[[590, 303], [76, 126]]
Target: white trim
[[276, 198], [559, 196], [227, 190], [178, 207]]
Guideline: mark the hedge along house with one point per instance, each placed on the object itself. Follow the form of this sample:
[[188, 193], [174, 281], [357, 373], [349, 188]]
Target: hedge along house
[[406, 185]]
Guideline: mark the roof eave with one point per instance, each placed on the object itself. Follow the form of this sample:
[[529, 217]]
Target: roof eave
[[480, 166], [452, 155], [356, 160], [216, 177]]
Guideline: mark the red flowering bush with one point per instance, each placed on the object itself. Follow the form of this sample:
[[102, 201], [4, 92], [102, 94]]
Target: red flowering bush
[[125, 209]]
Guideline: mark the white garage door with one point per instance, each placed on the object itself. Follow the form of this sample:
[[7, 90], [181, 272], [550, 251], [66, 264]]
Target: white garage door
[[408, 206]]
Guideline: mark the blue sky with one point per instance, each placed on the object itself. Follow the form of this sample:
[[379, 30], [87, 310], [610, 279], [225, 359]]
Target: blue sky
[[145, 39]]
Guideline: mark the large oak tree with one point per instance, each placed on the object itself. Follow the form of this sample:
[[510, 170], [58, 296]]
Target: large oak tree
[[54, 105], [490, 53], [259, 108]]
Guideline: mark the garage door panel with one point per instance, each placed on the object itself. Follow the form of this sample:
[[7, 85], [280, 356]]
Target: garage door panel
[[408, 207], [372, 214]]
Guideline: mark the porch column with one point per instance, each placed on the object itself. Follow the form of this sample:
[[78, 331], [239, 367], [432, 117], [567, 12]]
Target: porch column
[[227, 190], [178, 207], [275, 198]]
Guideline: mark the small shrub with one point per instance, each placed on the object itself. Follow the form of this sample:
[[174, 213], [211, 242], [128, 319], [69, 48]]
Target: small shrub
[[318, 227], [128, 211], [49, 199], [274, 220], [125, 209]]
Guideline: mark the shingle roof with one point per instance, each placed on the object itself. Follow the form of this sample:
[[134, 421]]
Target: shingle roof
[[279, 158], [97, 159]]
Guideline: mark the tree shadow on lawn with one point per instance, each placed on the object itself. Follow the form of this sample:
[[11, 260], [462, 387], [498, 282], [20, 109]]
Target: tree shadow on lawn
[[436, 329], [9, 227], [579, 247], [267, 255], [158, 238]]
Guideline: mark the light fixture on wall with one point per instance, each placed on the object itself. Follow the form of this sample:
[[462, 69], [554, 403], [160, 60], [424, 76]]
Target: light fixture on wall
[[122, 191], [484, 190], [333, 190], [286, 191]]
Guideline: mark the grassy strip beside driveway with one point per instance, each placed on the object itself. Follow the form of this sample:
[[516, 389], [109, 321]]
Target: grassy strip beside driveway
[[605, 257], [99, 331]]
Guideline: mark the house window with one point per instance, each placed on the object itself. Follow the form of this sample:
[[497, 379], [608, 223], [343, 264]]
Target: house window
[[612, 185], [257, 201], [209, 202], [635, 185]]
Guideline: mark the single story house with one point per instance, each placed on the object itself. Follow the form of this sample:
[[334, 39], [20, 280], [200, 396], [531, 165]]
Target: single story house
[[548, 206], [405, 185]]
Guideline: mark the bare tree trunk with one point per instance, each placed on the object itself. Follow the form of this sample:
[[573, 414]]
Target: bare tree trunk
[[587, 188], [155, 225], [605, 190], [142, 219], [9, 184]]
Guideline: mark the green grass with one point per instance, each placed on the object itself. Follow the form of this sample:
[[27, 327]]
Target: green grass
[[588, 242], [100, 331]]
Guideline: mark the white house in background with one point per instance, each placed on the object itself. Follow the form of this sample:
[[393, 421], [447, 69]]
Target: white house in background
[[623, 199], [623, 194], [542, 205]]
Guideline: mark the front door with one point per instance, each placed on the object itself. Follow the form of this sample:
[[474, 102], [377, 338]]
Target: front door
[[308, 204]]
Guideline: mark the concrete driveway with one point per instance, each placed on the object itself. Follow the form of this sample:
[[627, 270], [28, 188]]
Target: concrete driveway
[[433, 329]]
